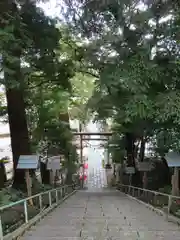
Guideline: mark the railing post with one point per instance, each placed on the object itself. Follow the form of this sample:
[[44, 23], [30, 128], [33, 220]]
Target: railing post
[[144, 193], [25, 211], [133, 192], [61, 192], [169, 206], [129, 189], [155, 199], [40, 202], [1, 230], [56, 196], [139, 193], [50, 200]]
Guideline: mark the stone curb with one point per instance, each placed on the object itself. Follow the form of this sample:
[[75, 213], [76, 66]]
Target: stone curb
[[21, 230], [169, 218]]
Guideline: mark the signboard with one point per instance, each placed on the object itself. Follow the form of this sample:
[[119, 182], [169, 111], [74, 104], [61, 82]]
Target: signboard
[[144, 166], [173, 159], [54, 163], [28, 162], [130, 170]]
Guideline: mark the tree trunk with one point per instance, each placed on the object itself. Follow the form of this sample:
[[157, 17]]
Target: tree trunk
[[3, 177], [18, 131], [14, 93], [69, 177], [121, 173], [141, 159], [130, 147], [136, 150], [64, 117], [142, 149], [45, 174]]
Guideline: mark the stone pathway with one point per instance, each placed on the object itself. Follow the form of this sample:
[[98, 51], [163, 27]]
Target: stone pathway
[[105, 215], [96, 179]]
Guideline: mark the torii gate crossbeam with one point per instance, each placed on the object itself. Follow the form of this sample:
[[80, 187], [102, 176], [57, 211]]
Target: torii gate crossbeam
[[93, 133]]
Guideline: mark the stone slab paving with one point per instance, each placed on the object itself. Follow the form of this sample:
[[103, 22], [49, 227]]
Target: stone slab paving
[[103, 215], [96, 179]]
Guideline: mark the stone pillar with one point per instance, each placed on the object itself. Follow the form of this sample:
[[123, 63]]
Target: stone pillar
[[118, 166], [109, 175]]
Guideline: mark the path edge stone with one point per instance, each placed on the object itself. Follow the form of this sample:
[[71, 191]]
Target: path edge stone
[[26, 226]]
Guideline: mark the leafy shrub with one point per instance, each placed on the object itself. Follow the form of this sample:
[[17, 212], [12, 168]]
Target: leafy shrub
[[166, 189]]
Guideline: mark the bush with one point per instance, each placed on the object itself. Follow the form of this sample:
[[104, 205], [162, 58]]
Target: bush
[[13, 217], [166, 189], [8, 195], [37, 187]]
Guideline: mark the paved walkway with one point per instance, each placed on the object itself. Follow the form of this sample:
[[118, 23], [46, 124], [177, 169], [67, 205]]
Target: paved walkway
[[96, 179], [103, 215]]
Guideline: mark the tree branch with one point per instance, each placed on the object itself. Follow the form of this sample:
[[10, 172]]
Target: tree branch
[[40, 84], [89, 73]]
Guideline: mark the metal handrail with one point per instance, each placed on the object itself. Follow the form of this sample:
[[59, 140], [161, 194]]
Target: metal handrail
[[25, 200], [156, 193], [148, 190]]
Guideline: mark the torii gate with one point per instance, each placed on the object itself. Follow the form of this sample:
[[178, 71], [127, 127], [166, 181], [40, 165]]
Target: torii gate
[[89, 134]]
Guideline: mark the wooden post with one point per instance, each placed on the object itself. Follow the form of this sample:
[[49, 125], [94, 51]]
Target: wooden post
[[51, 177], [28, 184], [145, 179], [130, 179], [55, 177], [175, 182]]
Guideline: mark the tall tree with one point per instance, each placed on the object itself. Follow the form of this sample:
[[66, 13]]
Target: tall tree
[[134, 49], [23, 55]]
